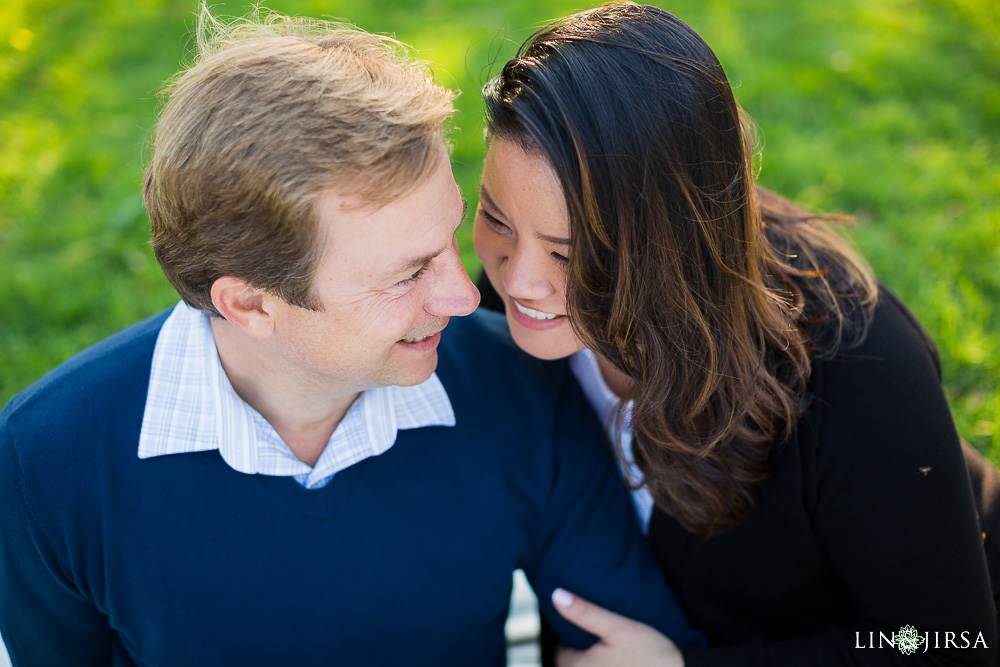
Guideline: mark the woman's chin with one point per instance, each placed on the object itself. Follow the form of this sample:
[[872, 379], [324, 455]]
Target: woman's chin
[[555, 343]]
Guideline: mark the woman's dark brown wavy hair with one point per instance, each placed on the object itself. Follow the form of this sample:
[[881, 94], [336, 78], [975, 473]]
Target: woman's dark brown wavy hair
[[715, 296]]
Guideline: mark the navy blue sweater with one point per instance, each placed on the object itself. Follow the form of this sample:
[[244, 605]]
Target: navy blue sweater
[[404, 558]]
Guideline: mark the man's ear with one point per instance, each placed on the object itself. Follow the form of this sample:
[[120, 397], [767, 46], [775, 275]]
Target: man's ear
[[243, 306]]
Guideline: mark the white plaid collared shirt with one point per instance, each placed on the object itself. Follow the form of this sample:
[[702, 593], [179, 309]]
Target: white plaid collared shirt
[[192, 407]]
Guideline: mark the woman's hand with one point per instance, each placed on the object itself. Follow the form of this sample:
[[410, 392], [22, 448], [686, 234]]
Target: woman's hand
[[621, 641]]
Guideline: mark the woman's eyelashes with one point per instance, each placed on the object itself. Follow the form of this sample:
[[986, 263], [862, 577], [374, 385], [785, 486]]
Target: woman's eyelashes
[[561, 260], [494, 224]]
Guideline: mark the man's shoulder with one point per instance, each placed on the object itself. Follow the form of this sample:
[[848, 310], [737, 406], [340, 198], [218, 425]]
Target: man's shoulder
[[481, 328], [102, 377], [478, 348]]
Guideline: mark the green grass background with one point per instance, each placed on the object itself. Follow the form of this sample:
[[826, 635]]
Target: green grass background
[[886, 109]]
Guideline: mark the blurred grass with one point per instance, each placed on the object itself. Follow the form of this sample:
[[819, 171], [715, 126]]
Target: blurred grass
[[887, 109]]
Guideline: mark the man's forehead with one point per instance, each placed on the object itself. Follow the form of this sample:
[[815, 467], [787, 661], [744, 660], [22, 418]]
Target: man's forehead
[[415, 258], [392, 237]]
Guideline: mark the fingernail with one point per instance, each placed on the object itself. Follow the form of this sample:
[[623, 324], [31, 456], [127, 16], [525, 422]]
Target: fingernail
[[562, 598]]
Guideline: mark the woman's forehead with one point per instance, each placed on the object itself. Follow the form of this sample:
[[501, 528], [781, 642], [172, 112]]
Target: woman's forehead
[[523, 188]]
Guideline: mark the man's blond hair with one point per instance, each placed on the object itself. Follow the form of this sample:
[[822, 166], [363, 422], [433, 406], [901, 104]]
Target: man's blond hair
[[274, 111]]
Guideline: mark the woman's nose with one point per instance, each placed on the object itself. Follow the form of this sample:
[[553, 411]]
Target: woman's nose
[[524, 277]]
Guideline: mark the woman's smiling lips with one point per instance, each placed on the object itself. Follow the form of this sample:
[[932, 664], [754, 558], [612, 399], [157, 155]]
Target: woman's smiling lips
[[531, 318]]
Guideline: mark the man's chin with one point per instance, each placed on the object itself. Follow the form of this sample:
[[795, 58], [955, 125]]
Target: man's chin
[[415, 374]]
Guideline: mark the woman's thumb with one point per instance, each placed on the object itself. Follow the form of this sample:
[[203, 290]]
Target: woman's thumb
[[592, 618]]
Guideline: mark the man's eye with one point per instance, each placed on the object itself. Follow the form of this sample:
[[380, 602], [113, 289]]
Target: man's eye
[[412, 279]]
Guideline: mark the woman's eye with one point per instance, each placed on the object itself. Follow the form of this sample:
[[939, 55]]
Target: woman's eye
[[495, 224], [412, 279], [561, 260]]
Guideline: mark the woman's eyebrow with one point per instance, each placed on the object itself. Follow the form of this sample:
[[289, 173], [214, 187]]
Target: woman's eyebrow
[[551, 239], [485, 195]]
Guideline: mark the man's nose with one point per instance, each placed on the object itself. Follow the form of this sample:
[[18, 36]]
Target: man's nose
[[454, 294]]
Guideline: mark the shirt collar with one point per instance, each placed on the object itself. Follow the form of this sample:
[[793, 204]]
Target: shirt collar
[[588, 373], [192, 407]]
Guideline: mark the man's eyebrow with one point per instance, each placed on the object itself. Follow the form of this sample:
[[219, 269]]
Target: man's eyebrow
[[485, 195], [417, 262]]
